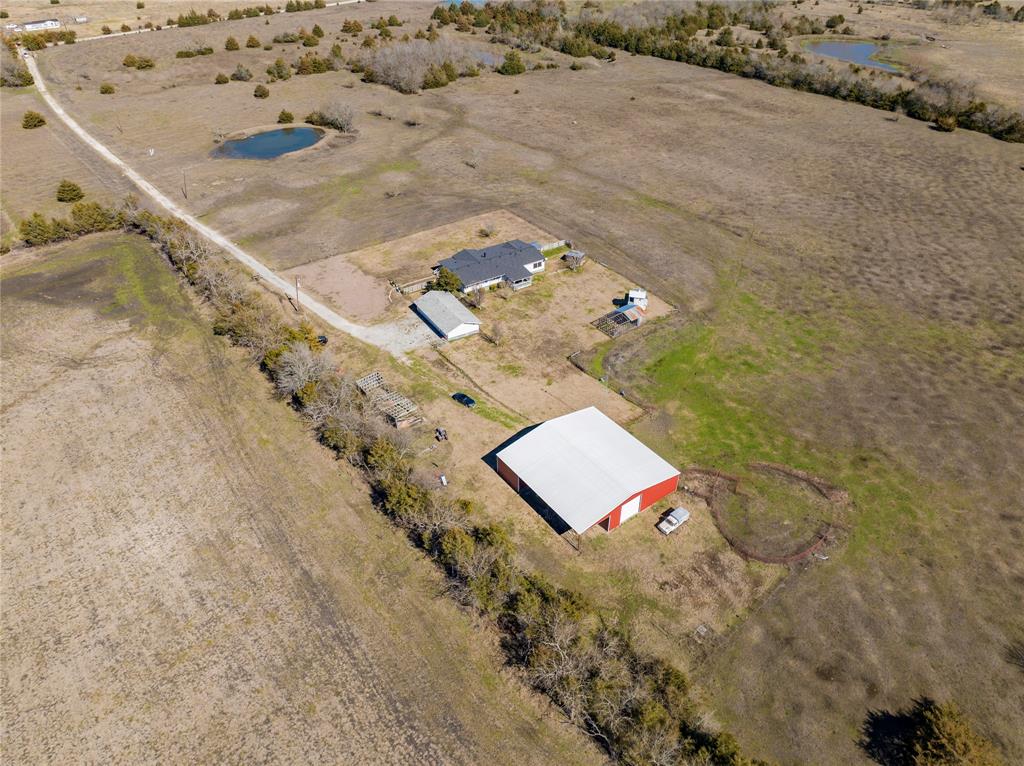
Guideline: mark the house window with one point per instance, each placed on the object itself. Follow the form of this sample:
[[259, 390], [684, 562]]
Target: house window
[[538, 264]]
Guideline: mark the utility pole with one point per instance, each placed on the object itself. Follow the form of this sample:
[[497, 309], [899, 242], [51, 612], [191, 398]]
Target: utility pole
[[298, 306], [184, 183]]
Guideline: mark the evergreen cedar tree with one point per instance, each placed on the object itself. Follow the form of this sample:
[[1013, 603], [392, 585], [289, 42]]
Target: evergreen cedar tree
[[32, 120], [446, 280], [69, 191]]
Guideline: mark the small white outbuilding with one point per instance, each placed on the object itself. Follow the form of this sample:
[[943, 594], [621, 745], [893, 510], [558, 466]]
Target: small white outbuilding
[[446, 315]]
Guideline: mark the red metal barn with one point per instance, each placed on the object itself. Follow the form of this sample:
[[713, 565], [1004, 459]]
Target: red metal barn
[[587, 469]]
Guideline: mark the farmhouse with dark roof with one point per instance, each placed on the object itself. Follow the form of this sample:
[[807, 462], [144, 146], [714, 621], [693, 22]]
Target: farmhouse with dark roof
[[514, 262]]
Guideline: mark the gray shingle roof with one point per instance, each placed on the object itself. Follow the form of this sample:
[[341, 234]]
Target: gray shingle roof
[[507, 260], [444, 311]]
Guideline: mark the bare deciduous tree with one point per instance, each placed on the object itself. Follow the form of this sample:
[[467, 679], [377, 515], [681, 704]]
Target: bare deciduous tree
[[404, 66], [337, 398], [496, 333], [299, 366]]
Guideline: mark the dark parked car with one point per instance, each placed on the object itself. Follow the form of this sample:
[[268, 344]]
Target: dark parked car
[[464, 399]]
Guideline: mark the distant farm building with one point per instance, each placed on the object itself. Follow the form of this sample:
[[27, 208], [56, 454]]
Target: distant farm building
[[446, 315], [587, 469], [513, 262], [37, 26]]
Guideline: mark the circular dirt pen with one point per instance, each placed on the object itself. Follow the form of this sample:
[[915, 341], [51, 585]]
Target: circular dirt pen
[[718, 489]]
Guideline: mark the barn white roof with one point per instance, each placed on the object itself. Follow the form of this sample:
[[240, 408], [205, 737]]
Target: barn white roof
[[583, 465]]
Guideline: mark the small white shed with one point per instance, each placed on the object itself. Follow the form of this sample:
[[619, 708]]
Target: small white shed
[[446, 315], [637, 296]]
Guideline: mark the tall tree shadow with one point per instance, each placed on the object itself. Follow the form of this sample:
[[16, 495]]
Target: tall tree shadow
[[1015, 654], [887, 737]]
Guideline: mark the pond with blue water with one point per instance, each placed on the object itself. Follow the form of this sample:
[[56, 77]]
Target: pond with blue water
[[860, 53], [266, 146]]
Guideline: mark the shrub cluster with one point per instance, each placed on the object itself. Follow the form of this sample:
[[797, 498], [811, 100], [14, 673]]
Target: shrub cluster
[[139, 62], [86, 218], [195, 19], [311, 63], [36, 41], [279, 70], [253, 42], [261, 91], [241, 74], [250, 12], [231, 44], [350, 27], [522, 23], [285, 117], [189, 53], [32, 119], [106, 89], [303, 5]]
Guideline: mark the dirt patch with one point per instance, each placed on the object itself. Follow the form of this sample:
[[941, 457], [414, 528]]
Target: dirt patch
[[345, 287]]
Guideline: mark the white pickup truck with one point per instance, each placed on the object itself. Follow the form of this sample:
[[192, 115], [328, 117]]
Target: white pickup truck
[[675, 519]]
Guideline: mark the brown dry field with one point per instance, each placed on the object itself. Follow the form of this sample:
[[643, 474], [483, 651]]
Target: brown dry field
[[901, 242], [30, 185], [188, 577]]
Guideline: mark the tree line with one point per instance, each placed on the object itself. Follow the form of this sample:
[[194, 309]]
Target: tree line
[[670, 31]]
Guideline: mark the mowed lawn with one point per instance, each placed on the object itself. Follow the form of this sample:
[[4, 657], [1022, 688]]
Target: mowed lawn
[[188, 577]]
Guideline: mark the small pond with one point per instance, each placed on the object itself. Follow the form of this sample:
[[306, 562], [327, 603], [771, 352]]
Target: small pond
[[855, 52], [266, 146]]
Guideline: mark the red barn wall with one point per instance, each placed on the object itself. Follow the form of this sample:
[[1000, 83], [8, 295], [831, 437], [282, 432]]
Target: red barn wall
[[508, 475], [649, 497]]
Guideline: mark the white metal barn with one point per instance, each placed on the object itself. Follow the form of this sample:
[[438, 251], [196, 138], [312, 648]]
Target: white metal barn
[[587, 469], [446, 315]]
